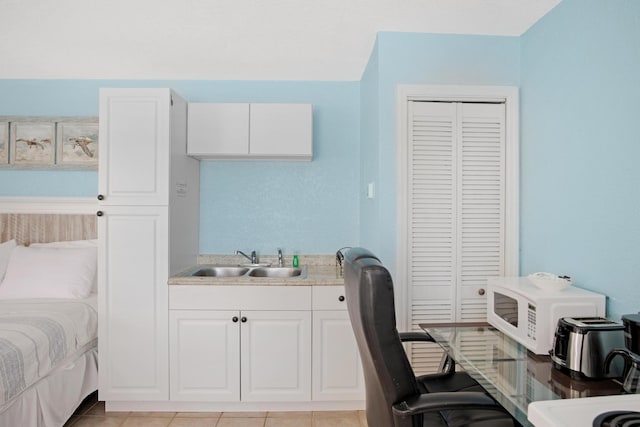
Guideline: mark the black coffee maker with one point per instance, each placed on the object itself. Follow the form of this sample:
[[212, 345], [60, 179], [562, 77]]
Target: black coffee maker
[[631, 371]]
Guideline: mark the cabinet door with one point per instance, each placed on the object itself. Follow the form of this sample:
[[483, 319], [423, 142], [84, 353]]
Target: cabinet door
[[275, 356], [337, 370], [218, 129], [281, 130], [134, 146], [205, 355], [133, 303]]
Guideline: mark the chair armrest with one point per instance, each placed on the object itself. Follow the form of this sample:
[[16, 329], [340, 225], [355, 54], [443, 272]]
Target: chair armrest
[[415, 336], [430, 402], [447, 365]]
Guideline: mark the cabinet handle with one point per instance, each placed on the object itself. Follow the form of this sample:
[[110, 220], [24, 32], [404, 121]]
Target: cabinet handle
[[99, 213], [235, 319], [481, 291], [243, 319], [341, 298], [100, 197]]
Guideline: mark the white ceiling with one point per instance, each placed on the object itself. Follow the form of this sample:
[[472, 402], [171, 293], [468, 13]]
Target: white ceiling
[[230, 39]]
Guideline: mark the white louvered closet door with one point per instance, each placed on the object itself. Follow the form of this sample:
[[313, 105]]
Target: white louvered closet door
[[455, 213]]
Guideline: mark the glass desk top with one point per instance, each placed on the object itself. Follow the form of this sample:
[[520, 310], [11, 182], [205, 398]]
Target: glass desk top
[[512, 375]]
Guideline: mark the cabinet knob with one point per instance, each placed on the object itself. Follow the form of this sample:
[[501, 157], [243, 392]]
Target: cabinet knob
[[99, 213], [481, 291], [243, 319], [341, 298], [100, 197], [234, 319]]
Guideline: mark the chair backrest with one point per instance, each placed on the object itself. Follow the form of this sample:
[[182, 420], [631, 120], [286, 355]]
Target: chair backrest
[[388, 375]]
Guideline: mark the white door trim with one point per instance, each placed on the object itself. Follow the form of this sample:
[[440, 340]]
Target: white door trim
[[457, 93]]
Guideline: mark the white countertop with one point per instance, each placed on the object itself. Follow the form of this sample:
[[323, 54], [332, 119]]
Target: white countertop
[[578, 412]]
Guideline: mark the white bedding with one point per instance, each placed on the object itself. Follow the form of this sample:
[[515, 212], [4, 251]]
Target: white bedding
[[39, 335]]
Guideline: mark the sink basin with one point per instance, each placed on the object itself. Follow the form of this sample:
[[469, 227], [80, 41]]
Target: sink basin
[[276, 272], [221, 271], [241, 271]]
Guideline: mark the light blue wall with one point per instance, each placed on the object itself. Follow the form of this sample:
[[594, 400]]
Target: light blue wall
[[369, 141], [301, 207], [580, 148], [308, 207], [409, 58]]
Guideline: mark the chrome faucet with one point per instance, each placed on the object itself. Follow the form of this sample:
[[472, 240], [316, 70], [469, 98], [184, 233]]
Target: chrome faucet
[[280, 260], [253, 258]]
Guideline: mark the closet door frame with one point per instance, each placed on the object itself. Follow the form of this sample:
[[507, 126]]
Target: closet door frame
[[509, 95]]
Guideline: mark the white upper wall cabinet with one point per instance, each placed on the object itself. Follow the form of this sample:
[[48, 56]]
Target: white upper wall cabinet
[[134, 146], [218, 130], [281, 130], [250, 131]]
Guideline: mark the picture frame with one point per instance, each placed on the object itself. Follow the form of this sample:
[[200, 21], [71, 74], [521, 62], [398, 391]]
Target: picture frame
[[49, 142], [32, 143], [4, 142], [77, 143]]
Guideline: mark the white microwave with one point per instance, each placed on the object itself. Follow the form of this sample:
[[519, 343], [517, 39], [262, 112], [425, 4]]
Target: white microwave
[[529, 315]]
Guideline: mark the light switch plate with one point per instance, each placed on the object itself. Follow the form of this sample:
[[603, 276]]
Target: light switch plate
[[370, 191]]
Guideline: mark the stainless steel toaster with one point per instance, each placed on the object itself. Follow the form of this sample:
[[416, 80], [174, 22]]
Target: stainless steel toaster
[[581, 344]]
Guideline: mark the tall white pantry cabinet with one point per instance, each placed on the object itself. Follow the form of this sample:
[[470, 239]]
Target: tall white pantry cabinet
[[148, 230]]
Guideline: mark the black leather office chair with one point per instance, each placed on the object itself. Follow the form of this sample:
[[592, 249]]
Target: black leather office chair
[[394, 396]]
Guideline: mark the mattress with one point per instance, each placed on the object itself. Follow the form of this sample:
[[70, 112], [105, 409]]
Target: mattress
[[38, 335]]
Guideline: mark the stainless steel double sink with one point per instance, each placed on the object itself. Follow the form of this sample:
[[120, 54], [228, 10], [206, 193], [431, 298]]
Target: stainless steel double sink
[[248, 270]]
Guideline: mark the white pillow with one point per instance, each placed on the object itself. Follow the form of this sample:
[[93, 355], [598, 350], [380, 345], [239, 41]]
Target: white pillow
[[43, 272], [5, 253], [72, 244]]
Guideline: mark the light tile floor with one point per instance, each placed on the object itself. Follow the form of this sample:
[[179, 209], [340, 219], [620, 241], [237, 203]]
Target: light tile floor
[[91, 414]]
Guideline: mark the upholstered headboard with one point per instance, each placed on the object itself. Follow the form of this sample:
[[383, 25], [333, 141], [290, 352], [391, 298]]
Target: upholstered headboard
[[42, 228], [31, 220]]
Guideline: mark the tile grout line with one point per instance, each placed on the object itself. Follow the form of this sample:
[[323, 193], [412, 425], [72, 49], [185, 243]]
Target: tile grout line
[[85, 417]]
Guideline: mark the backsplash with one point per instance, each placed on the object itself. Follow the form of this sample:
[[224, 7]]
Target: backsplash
[[310, 260]]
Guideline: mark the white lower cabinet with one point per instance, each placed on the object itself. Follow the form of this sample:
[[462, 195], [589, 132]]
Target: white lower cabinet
[[204, 355], [275, 356], [133, 350], [255, 344], [259, 352], [337, 370]]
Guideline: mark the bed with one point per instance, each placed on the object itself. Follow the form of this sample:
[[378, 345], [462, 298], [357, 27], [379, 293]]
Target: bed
[[48, 309]]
